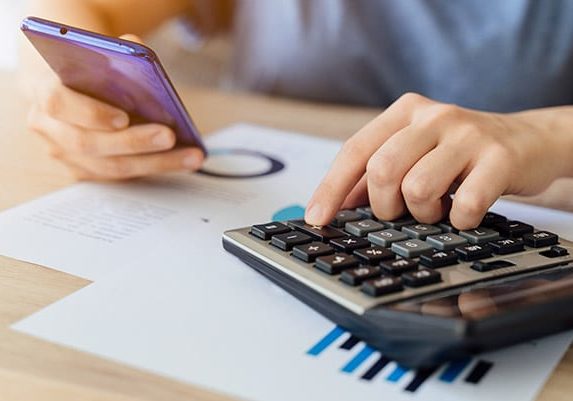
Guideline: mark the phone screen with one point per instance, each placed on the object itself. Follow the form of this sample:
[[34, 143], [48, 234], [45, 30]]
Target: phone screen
[[121, 75]]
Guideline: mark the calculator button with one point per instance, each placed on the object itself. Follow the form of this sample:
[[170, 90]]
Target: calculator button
[[399, 266], [288, 240], [473, 252], [491, 219], [386, 237], [480, 235], [421, 277], [344, 216], [363, 227], [266, 231], [349, 243], [381, 286], [513, 229], [447, 227], [365, 212], [555, 252], [321, 233], [421, 231], [488, 266], [411, 248], [309, 252], [504, 246], [446, 241], [540, 239], [399, 223], [374, 255], [334, 264], [439, 259], [357, 275]]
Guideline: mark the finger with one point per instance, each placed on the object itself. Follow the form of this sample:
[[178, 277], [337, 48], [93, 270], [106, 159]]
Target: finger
[[358, 196], [425, 187], [486, 182], [125, 167], [476, 304], [388, 166], [65, 104], [350, 163], [145, 138]]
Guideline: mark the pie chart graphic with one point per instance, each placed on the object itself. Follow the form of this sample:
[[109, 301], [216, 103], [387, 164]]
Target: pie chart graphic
[[292, 212], [240, 164]]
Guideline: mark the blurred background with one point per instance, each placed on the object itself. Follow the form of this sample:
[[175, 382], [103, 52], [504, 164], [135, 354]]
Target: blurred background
[[188, 62]]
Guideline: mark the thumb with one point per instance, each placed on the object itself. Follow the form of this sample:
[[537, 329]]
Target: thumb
[[132, 38]]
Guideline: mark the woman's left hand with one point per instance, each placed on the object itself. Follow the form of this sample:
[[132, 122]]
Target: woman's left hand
[[418, 151]]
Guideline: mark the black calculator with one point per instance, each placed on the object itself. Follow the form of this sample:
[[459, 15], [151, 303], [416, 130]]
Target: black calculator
[[422, 294]]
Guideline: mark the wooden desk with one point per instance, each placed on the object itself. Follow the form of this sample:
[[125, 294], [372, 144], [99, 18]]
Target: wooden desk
[[32, 369]]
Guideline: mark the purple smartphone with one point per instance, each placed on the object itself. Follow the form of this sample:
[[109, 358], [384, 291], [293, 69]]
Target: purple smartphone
[[124, 74]]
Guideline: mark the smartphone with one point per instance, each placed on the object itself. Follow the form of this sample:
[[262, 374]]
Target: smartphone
[[122, 73]]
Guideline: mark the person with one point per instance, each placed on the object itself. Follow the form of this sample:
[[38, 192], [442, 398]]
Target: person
[[478, 97]]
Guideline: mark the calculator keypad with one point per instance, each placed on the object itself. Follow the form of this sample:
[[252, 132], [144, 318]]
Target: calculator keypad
[[379, 258]]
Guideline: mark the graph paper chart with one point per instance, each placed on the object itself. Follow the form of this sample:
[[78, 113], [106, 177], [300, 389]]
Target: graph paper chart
[[375, 366]]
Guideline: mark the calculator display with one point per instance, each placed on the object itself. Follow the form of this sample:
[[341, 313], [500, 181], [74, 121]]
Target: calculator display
[[483, 300]]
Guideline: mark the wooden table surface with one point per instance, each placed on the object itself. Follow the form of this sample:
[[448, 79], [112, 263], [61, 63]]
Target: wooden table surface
[[32, 369]]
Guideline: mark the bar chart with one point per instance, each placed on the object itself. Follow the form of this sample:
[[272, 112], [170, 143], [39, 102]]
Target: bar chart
[[467, 371]]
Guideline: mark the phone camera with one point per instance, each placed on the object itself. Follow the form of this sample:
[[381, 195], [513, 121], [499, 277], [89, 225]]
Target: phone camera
[[63, 31]]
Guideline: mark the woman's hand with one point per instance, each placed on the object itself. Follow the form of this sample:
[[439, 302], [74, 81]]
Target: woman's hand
[[94, 139], [418, 151]]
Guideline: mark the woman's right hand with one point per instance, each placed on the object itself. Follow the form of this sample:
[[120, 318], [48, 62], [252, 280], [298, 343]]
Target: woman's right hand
[[94, 139]]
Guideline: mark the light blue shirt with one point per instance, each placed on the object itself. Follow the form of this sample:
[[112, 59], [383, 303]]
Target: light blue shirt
[[500, 55]]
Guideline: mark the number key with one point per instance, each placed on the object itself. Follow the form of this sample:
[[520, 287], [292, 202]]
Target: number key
[[386, 237], [363, 227], [411, 248], [446, 241], [344, 216], [480, 235], [421, 231]]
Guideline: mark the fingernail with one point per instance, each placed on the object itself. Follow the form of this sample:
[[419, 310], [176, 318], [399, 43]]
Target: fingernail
[[314, 214], [191, 162], [161, 140], [120, 121]]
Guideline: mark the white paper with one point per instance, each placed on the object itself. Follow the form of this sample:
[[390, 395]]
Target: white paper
[[90, 230], [168, 299]]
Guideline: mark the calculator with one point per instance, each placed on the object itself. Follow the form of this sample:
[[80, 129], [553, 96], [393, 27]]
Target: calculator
[[420, 293]]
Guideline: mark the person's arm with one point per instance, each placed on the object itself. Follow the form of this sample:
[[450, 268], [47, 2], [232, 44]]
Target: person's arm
[[418, 151], [93, 139]]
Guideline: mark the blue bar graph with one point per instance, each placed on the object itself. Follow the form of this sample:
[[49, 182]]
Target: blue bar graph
[[358, 359], [397, 373], [454, 369], [450, 374], [327, 340]]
